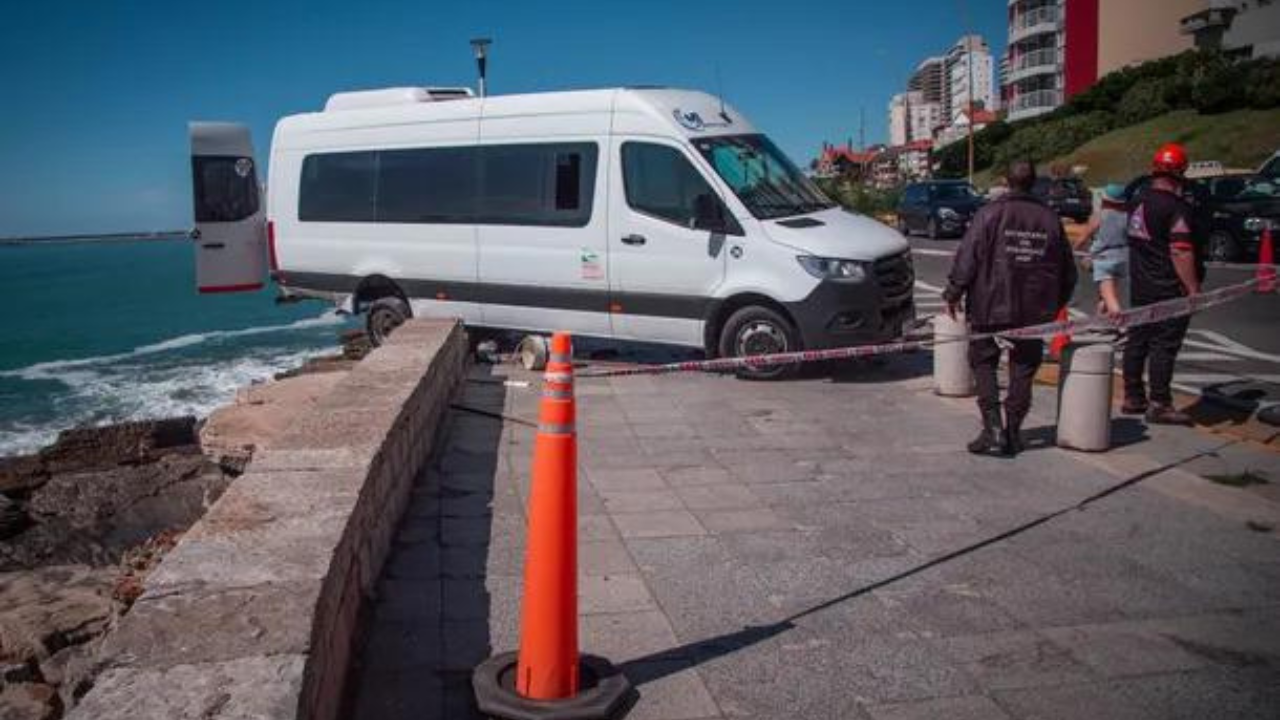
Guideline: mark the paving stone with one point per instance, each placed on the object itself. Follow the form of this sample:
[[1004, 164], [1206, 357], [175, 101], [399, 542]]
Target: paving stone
[[404, 695], [971, 707], [1075, 701], [1121, 649], [670, 690], [613, 594], [661, 523], [731, 521], [608, 557], [392, 647], [729, 496], [1222, 693], [1014, 659], [696, 475], [627, 479], [640, 501], [624, 637], [403, 601]]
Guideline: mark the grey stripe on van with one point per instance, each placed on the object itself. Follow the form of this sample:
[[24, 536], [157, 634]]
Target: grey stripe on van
[[604, 301]]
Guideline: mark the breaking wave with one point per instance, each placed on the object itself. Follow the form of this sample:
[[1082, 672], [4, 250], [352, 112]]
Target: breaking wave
[[51, 369], [186, 375]]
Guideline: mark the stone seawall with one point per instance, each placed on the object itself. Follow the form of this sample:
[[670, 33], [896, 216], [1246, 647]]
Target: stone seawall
[[254, 613]]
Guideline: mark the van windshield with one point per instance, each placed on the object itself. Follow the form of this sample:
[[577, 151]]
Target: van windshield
[[761, 176]]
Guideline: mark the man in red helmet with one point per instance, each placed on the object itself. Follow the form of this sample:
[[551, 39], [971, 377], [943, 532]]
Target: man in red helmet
[[1162, 266]]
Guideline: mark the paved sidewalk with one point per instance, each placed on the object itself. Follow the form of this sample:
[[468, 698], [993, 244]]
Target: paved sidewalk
[[729, 531]]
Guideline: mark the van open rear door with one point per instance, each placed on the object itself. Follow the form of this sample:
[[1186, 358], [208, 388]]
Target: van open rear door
[[230, 234]]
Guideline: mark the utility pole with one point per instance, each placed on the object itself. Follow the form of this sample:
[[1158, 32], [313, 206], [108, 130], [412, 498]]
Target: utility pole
[[480, 47], [968, 43]]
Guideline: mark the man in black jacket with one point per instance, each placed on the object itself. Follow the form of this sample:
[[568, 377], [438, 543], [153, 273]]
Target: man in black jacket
[[1014, 268]]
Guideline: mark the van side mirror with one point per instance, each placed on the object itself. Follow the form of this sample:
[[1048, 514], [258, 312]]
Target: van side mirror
[[708, 213]]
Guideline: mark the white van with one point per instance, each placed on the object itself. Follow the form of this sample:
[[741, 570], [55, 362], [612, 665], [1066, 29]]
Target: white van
[[635, 213]]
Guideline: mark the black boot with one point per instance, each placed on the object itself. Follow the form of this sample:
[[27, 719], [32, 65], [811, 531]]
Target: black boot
[[1012, 435], [991, 440]]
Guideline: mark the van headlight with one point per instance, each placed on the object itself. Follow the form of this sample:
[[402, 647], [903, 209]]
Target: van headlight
[[1258, 224], [833, 268]]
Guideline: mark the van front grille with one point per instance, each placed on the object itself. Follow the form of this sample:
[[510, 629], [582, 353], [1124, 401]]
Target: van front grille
[[896, 276]]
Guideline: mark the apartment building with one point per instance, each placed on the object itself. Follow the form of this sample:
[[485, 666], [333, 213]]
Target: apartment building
[[1058, 48], [939, 93]]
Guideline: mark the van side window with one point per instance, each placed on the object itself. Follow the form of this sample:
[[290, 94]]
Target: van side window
[[338, 187], [226, 188], [427, 185], [659, 181], [542, 184], [526, 184]]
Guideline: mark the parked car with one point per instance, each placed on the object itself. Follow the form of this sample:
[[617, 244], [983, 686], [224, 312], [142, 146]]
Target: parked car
[[1231, 212], [1067, 196], [938, 208], [1271, 168], [1234, 210]]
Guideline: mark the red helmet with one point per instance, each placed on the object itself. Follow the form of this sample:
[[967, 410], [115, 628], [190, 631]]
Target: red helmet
[[1170, 159]]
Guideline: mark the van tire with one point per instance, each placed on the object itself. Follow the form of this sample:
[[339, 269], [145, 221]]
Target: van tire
[[383, 316], [757, 330]]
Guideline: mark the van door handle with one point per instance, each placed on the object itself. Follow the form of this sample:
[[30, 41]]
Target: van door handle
[[633, 239]]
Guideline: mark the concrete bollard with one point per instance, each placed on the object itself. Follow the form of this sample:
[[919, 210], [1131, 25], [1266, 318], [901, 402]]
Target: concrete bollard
[[1084, 396], [952, 376]]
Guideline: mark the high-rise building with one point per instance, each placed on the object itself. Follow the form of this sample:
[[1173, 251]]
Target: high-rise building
[[929, 79], [899, 117], [958, 74], [1033, 65], [1059, 48], [1237, 27]]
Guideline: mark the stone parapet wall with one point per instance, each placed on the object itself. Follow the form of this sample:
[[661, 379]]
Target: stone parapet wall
[[254, 614]]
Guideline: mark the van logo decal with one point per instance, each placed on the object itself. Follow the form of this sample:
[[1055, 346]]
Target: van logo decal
[[693, 121]]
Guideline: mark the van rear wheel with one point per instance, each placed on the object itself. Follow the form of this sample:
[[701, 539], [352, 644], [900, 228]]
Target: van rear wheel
[[385, 315], [756, 330]]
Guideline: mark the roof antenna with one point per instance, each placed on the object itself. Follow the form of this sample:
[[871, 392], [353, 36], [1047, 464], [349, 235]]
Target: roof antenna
[[720, 94]]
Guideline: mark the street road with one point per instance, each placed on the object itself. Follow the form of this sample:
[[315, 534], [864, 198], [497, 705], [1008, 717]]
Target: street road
[[1233, 349]]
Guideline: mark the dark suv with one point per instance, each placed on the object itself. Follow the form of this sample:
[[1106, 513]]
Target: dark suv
[[1067, 196], [938, 208], [1231, 212], [1234, 210]]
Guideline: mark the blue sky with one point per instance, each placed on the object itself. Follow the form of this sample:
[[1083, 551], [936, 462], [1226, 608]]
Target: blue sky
[[96, 95]]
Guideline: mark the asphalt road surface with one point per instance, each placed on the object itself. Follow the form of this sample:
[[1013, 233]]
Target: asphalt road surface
[[1231, 350]]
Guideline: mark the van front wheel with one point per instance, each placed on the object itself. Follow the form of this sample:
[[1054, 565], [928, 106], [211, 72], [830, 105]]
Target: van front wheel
[[384, 315], [756, 330]]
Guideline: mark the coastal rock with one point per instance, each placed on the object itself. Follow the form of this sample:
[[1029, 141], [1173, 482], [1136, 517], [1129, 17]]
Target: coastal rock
[[30, 701], [128, 443], [13, 519], [92, 517], [20, 475], [46, 610]]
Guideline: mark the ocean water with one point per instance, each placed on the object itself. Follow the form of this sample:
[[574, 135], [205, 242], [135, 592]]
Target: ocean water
[[99, 332]]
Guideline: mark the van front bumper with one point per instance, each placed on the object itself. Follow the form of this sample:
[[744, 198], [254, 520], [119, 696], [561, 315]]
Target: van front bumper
[[841, 314]]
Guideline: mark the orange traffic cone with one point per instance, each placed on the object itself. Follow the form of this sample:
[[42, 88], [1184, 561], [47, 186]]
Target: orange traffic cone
[[548, 666], [1059, 342], [547, 678], [1266, 273]]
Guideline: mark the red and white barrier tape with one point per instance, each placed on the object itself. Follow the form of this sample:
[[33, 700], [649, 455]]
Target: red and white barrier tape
[[1145, 315]]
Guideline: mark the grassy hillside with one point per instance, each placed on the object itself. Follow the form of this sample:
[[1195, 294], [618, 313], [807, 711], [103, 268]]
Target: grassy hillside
[[1237, 139]]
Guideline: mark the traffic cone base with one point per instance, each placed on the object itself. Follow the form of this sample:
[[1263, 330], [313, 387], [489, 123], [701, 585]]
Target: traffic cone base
[[546, 677], [604, 692]]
